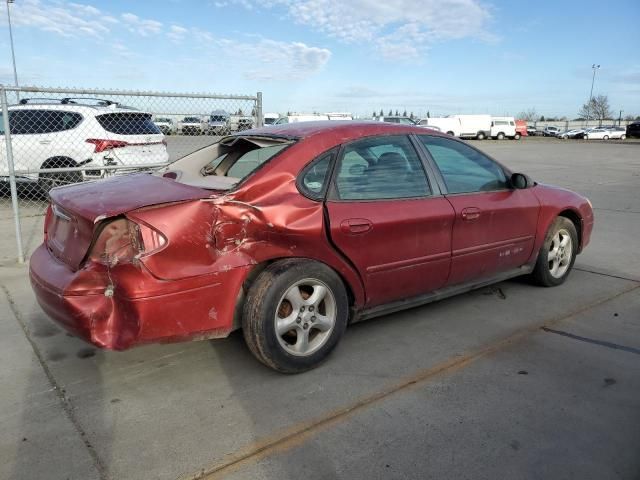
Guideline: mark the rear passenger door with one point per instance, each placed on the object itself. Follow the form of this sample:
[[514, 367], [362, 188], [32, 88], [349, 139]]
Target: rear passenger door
[[389, 219], [495, 225]]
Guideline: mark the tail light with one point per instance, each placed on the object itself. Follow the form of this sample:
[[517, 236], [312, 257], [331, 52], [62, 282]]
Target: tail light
[[122, 241], [47, 219], [102, 144]]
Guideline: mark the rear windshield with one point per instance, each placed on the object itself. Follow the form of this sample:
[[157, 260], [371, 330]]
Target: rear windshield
[[242, 156], [128, 123]]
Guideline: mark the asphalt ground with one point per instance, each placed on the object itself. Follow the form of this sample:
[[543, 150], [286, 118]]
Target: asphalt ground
[[510, 381]]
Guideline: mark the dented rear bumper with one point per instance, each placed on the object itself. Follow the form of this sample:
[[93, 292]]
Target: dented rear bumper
[[126, 305]]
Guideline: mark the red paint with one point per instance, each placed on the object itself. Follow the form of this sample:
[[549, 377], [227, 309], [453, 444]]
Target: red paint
[[200, 246]]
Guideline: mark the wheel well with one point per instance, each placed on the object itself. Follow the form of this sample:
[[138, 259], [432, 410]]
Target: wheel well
[[577, 222], [259, 268], [59, 162]]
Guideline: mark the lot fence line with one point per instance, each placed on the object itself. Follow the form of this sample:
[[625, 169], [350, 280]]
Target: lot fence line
[[50, 137]]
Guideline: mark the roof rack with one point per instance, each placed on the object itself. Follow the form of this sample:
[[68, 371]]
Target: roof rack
[[101, 102], [25, 101]]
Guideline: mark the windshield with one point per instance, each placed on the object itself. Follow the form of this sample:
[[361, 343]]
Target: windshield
[[191, 119], [217, 118]]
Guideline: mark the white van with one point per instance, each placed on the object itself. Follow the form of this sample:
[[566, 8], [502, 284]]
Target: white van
[[474, 126], [504, 127], [309, 117], [448, 125]]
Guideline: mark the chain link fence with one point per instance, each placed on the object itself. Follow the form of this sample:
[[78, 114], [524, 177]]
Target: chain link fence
[[55, 136]]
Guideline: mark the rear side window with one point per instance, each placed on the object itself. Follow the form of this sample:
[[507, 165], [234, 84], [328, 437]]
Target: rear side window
[[33, 122], [251, 160], [381, 168], [128, 123], [314, 178]]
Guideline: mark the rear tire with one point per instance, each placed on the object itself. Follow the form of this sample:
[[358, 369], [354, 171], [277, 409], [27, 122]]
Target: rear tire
[[623, 137], [557, 254], [480, 136], [295, 314], [47, 181], [606, 137], [516, 136], [500, 136]]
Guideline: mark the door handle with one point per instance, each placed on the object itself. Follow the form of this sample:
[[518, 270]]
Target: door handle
[[353, 226], [470, 213], [45, 142]]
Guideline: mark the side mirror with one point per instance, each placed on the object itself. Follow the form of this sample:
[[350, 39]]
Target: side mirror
[[521, 181]]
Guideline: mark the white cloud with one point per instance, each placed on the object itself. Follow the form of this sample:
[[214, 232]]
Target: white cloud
[[141, 26], [271, 60], [397, 28]]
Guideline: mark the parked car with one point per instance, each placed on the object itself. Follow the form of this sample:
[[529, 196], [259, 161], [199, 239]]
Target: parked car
[[633, 130], [605, 133], [70, 133], [270, 118], [219, 123], [291, 232], [396, 119], [301, 117], [550, 131], [165, 125], [245, 123], [504, 127], [573, 133], [192, 126], [532, 131]]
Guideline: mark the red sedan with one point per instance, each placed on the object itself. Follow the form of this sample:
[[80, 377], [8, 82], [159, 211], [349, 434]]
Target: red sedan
[[290, 233]]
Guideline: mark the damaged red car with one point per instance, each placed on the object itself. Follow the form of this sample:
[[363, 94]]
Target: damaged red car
[[290, 233]]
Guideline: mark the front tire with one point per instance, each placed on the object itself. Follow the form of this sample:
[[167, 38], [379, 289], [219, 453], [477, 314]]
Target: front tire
[[516, 136], [606, 137], [557, 254], [295, 314], [500, 136]]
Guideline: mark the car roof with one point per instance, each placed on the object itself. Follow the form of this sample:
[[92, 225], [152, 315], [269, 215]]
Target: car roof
[[347, 130]]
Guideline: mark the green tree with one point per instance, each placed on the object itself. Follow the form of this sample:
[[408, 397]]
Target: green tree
[[404, 114], [390, 113], [381, 113]]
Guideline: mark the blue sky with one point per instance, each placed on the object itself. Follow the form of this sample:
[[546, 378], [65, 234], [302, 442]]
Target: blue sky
[[442, 56]]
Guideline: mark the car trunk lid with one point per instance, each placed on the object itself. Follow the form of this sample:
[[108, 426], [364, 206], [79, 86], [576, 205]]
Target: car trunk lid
[[76, 210]]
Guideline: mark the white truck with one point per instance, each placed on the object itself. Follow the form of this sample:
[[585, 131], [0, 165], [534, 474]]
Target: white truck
[[447, 125], [504, 127]]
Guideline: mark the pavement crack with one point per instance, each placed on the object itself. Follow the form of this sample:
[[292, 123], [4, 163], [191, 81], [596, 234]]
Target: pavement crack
[[60, 392], [610, 275], [594, 341]]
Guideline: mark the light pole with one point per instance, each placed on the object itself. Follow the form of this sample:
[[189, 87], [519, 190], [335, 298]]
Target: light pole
[[13, 54], [594, 67]]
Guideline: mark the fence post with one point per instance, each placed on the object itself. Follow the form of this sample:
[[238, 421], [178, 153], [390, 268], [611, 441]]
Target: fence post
[[259, 116], [12, 175]]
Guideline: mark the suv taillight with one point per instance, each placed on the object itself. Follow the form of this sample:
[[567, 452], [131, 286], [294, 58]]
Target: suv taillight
[[121, 241], [103, 144]]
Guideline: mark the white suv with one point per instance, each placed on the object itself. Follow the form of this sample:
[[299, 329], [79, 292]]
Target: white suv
[[66, 133]]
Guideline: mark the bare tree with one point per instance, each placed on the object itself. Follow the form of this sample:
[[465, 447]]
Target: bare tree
[[598, 108], [529, 115]]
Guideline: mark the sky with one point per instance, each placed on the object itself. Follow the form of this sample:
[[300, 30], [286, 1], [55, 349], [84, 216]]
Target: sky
[[436, 56]]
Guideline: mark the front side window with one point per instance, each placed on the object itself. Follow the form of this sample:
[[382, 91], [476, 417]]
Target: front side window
[[380, 168], [463, 168]]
